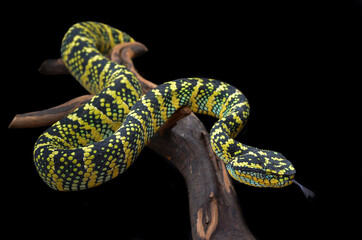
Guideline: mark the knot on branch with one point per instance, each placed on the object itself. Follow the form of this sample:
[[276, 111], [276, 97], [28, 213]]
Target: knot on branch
[[207, 219]]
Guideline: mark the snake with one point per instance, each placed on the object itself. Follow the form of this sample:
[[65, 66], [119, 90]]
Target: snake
[[102, 138]]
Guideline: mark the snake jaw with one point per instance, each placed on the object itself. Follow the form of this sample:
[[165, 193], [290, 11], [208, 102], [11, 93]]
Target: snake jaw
[[258, 178]]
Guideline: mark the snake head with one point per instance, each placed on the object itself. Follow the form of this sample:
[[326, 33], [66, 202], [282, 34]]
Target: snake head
[[261, 168]]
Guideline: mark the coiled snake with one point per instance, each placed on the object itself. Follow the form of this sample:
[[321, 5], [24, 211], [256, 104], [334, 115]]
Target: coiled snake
[[101, 139]]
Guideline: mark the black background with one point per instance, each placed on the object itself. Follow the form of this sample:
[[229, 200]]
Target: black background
[[291, 59]]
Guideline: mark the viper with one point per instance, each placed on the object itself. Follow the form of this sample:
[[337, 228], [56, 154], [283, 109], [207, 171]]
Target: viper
[[102, 138]]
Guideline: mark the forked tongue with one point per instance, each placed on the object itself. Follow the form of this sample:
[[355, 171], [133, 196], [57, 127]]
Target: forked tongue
[[307, 193]]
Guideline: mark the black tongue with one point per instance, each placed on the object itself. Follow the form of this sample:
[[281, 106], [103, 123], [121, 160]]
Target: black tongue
[[307, 193]]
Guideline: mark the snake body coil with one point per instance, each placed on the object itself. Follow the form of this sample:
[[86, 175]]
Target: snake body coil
[[102, 138]]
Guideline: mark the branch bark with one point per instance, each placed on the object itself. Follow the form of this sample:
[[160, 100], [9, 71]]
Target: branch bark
[[214, 208], [48, 116]]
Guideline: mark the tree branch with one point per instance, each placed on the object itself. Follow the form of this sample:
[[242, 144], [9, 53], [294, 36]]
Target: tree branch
[[123, 55], [53, 67], [48, 116], [214, 209]]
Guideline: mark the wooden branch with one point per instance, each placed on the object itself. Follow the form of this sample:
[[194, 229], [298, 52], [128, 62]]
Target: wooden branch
[[172, 121], [214, 209], [48, 116], [124, 53], [184, 141], [53, 67]]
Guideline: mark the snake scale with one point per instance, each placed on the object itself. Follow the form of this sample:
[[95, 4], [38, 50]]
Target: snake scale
[[101, 139]]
